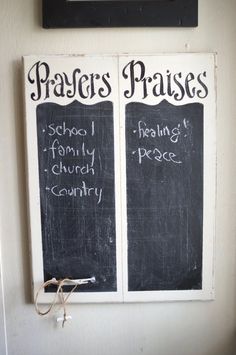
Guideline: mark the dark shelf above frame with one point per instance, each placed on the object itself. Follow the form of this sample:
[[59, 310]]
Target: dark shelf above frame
[[159, 13]]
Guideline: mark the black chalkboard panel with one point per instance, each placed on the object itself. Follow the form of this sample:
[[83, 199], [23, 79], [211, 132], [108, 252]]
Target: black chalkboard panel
[[120, 13], [164, 196], [76, 174]]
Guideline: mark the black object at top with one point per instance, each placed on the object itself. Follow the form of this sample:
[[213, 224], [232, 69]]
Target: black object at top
[[158, 13]]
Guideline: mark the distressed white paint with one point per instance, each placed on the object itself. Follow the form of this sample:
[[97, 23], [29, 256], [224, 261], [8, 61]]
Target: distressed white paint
[[176, 63], [59, 64], [114, 65], [3, 335], [183, 328]]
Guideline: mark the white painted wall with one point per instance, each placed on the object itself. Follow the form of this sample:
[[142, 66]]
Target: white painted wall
[[3, 338], [187, 328]]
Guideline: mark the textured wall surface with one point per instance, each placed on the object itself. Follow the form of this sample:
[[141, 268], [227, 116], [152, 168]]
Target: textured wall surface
[[185, 328]]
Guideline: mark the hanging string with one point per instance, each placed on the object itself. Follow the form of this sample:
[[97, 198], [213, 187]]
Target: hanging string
[[58, 295]]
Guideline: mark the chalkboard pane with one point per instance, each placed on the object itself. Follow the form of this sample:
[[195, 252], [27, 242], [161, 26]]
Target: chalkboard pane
[[120, 13], [76, 173], [164, 152]]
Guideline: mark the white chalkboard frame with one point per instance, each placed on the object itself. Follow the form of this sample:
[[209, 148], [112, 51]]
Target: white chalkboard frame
[[115, 63], [185, 62], [86, 63]]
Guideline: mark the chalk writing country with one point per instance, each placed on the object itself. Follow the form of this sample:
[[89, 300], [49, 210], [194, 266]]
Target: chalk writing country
[[77, 191]]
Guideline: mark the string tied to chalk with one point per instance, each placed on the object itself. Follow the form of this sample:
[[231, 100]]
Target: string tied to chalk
[[59, 295]]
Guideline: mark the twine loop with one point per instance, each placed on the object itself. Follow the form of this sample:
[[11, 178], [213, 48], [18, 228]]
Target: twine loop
[[58, 295]]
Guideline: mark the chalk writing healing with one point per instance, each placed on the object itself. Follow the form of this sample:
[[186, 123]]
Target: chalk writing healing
[[158, 131]]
